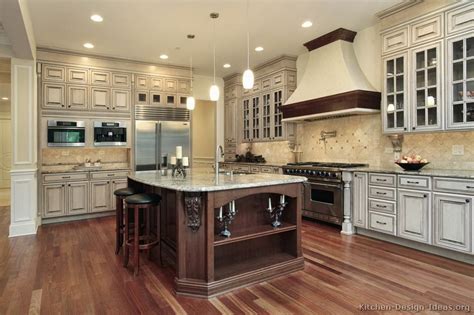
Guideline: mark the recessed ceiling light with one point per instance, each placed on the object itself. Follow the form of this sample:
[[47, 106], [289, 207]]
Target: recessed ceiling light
[[259, 48], [5, 98], [88, 45], [307, 24], [163, 56], [226, 65], [96, 18]]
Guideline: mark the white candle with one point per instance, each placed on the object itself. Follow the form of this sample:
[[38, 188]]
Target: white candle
[[233, 206], [173, 160], [179, 152], [185, 161], [282, 198], [269, 203], [220, 213]]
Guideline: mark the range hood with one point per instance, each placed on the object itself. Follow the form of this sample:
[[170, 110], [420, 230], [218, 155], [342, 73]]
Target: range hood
[[333, 84]]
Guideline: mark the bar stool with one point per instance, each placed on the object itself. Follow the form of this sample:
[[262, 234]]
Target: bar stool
[[145, 203], [120, 195]]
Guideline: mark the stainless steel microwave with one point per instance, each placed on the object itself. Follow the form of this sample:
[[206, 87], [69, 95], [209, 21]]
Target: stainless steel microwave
[[66, 133], [110, 133]]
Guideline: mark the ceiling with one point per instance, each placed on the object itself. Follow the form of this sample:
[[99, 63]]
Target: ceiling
[[144, 29]]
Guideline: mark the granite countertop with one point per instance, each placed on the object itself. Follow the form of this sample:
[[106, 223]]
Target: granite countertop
[[204, 180], [255, 164], [424, 171]]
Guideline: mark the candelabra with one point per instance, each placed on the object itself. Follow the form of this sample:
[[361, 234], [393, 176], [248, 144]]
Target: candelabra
[[276, 212], [226, 219], [178, 169]]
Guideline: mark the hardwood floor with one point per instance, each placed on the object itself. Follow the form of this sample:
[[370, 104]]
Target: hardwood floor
[[4, 197], [72, 268]]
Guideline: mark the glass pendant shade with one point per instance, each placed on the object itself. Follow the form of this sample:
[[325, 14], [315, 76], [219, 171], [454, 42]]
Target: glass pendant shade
[[214, 93], [190, 103], [248, 79]]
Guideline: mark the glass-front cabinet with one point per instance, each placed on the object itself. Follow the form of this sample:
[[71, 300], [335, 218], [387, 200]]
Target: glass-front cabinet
[[426, 96], [394, 104], [266, 114], [461, 82], [246, 119], [277, 115]]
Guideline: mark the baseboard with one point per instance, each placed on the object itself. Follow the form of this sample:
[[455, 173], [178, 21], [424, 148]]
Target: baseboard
[[466, 258], [86, 216], [23, 229]]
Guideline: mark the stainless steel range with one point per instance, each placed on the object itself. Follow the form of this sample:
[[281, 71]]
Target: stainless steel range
[[323, 193]]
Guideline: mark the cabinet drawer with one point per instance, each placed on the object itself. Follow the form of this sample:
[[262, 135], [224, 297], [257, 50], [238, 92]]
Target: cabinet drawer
[[395, 40], [460, 19], [255, 169], [382, 206], [388, 180], [64, 177], [425, 30], [267, 169], [415, 182], [382, 193], [243, 168], [382, 223], [453, 185], [105, 175]]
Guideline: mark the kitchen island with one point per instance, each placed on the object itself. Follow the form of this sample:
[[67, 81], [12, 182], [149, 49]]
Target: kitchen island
[[207, 263]]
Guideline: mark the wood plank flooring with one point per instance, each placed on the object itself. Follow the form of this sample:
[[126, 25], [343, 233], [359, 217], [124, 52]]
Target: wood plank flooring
[[72, 269]]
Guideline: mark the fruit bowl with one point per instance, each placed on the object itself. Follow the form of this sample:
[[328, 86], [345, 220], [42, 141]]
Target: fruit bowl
[[412, 166]]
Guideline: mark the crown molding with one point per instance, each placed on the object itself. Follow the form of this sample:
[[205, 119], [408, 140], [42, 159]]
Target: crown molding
[[397, 8]]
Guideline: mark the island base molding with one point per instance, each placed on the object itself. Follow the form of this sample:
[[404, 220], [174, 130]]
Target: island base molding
[[466, 258], [200, 289]]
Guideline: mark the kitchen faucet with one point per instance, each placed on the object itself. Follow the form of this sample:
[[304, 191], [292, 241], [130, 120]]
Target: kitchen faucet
[[219, 154]]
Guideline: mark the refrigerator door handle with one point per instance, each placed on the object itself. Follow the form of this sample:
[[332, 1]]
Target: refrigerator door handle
[[158, 144]]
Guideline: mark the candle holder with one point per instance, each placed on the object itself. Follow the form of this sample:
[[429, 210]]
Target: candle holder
[[276, 212], [226, 219], [178, 169]]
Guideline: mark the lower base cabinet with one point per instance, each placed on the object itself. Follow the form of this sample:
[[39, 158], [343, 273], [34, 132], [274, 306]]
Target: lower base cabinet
[[65, 199], [414, 215], [100, 196], [78, 197], [359, 200], [453, 221]]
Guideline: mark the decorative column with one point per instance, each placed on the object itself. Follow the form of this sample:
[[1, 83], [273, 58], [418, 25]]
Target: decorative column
[[347, 227], [24, 218]]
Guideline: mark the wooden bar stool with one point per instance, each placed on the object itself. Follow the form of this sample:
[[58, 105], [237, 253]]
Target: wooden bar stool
[[120, 195], [148, 205]]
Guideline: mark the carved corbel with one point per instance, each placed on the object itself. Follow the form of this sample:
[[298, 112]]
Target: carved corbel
[[193, 210]]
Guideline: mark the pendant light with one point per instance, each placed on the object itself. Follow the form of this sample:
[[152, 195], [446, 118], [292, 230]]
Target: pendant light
[[190, 101], [214, 91], [248, 77]]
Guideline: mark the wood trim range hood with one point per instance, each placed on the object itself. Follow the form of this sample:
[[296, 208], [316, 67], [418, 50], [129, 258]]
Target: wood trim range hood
[[333, 84]]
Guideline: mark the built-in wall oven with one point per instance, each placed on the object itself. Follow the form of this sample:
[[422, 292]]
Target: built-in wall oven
[[110, 133], [66, 133]]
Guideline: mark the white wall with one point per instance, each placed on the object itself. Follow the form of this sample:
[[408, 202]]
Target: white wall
[[201, 85]]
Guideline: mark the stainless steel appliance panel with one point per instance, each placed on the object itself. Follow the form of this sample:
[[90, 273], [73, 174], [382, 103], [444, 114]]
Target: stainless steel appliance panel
[[172, 134], [146, 143]]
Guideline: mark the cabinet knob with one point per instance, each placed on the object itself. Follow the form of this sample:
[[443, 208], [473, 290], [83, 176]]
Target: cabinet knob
[[405, 128], [425, 195], [413, 128], [468, 200]]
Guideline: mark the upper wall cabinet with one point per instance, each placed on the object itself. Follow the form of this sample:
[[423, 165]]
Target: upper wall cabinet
[[435, 89], [77, 76], [100, 77], [121, 80], [54, 73]]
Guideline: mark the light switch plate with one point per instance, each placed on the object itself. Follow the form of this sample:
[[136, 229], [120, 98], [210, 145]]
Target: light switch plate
[[457, 149]]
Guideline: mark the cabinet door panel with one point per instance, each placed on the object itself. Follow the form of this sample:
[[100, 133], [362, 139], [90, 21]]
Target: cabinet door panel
[[359, 201], [395, 40], [54, 96], [54, 73], [78, 197], [460, 19], [142, 97], [452, 221], [426, 30], [100, 77], [121, 100], [121, 80], [77, 76], [171, 85], [141, 82], [184, 86], [100, 99], [100, 196], [77, 97], [395, 96], [414, 215], [156, 83], [54, 200]]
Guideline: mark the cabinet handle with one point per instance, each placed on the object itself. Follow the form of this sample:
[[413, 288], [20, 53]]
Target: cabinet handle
[[383, 223], [381, 180], [380, 193], [66, 177], [410, 182], [381, 206], [469, 187], [110, 174]]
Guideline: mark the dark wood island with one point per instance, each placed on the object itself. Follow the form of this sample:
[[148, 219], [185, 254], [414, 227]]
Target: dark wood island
[[208, 264]]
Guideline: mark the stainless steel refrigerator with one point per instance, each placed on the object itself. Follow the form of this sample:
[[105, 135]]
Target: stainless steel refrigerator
[[156, 143]]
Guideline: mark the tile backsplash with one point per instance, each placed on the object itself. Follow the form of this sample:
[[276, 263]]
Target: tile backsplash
[[360, 139], [76, 156]]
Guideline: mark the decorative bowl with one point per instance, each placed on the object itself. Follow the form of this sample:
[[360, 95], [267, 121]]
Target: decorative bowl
[[412, 166]]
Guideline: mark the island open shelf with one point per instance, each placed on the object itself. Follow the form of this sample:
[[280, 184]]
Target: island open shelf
[[208, 264]]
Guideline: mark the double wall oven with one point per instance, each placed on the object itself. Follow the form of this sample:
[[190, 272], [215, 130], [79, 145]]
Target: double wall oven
[[324, 191], [66, 133]]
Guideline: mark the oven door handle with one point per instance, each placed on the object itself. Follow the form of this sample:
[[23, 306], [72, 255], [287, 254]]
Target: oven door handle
[[338, 186]]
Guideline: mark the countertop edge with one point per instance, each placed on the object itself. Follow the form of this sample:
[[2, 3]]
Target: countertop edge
[[466, 174]]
